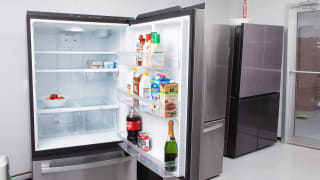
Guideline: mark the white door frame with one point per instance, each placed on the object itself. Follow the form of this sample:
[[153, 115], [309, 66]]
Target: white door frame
[[291, 71]]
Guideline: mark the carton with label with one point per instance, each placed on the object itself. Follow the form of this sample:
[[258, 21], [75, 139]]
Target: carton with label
[[168, 99]]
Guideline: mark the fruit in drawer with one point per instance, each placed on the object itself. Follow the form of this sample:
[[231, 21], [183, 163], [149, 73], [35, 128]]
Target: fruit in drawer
[[53, 96]]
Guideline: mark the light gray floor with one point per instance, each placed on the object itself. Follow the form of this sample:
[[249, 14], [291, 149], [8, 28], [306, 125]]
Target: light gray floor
[[310, 126], [279, 162]]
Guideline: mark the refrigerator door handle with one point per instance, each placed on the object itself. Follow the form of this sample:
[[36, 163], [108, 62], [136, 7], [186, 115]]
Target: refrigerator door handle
[[212, 128], [46, 169]]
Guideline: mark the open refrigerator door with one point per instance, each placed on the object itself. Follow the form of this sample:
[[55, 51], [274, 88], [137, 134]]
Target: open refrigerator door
[[175, 37]]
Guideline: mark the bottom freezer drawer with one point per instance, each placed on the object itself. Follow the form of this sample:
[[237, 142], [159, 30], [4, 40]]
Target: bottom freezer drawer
[[211, 155], [114, 165]]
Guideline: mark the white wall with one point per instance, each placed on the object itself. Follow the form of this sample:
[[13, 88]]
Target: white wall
[[272, 12], [14, 92]]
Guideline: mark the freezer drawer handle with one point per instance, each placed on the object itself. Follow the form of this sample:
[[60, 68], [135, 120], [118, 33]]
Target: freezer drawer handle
[[212, 128], [47, 169]]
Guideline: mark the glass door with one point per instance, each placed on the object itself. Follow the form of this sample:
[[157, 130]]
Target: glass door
[[303, 92]]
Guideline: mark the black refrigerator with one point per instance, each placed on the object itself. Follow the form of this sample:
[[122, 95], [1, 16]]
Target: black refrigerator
[[254, 88]]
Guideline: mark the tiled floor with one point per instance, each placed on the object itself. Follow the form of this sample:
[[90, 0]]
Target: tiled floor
[[279, 162]]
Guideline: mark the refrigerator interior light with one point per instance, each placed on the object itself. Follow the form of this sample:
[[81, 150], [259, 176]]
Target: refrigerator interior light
[[74, 29]]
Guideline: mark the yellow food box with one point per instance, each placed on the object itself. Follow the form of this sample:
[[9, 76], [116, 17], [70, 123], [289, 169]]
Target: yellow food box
[[168, 99]]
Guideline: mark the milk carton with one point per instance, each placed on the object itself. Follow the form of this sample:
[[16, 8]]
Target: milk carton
[[168, 99], [155, 86]]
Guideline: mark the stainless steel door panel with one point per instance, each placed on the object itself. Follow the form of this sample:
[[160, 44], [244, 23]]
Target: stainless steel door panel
[[211, 155], [115, 166], [215, 67]]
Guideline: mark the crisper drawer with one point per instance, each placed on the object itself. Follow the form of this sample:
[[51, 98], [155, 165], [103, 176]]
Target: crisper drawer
[[111, 165]]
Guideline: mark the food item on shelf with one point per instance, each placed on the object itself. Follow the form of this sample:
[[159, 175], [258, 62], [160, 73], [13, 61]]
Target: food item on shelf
[[155, 91], [130, 80], [144, 141], [94, 64], [168, 99], [155, 86], [54, 100], [109, 65], [152, 37], [146, 49], [140, 45], [133, 125], [157, 56], [53, 97], [170, 149], [136, 83], [144, 87]]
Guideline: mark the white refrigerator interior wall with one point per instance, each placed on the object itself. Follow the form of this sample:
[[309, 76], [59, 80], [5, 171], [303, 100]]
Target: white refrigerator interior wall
[[14, 113]]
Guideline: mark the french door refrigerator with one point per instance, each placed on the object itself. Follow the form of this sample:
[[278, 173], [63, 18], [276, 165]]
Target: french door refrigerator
[[254, 89], [85, 60]]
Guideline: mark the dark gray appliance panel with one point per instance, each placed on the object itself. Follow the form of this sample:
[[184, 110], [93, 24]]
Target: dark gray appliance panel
[[261, 59], [252, 60], [268, 121], [272, 59], [247, 132]]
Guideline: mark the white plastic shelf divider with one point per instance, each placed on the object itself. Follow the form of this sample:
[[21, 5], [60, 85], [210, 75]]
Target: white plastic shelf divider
[[76, 52], [77, 109], [75, 70], [146, 159]]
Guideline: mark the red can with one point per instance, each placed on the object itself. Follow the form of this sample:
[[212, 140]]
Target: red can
[[144, 141]]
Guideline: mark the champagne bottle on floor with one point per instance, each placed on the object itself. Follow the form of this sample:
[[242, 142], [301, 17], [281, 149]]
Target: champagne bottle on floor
[[170, 149]]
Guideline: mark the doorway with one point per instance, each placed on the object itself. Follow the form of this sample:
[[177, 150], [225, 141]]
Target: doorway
[[303, 78]]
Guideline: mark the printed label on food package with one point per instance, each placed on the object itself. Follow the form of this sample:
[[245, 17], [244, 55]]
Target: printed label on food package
[[133, 125]]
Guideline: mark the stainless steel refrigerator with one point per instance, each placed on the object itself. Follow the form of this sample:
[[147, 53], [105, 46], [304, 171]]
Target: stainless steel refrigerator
[[85, 136], [254, 88]]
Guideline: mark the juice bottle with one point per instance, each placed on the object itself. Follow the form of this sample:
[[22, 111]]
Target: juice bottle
[[136, 83]]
